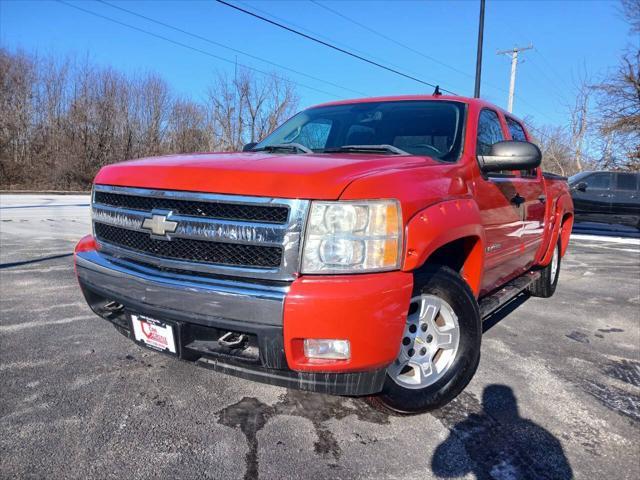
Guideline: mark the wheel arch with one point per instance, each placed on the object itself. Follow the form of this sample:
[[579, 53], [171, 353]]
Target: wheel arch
[[565, 231], [563, 224], [449, 234]]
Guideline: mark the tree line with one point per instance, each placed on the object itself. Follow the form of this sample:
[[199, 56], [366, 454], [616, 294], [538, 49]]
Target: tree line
[[61, 120]]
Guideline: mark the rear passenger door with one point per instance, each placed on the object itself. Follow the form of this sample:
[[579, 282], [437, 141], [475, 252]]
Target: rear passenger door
[[530, 188], [625, 202]]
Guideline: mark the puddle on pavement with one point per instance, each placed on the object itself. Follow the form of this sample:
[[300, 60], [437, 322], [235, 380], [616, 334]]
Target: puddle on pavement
[[250, 415]]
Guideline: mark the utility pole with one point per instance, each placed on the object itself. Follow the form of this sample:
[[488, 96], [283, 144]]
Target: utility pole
[[476, 91], [514, 62]]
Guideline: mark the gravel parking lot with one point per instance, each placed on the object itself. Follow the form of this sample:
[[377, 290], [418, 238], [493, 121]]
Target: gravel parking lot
[[557, 394]]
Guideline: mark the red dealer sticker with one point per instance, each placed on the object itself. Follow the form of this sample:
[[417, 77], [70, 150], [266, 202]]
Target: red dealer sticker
[[153, 333]]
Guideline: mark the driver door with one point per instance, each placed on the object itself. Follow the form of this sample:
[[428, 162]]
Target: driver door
[[501, 217]]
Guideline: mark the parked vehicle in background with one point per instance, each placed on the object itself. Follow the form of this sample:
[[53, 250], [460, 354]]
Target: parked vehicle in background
[[354, 251], [607, 197]]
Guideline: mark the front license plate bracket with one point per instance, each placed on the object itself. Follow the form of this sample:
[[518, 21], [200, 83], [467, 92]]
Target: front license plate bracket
[[156, 334]]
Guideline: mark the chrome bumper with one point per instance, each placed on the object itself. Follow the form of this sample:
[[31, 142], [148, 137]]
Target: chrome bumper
[[198, 296]]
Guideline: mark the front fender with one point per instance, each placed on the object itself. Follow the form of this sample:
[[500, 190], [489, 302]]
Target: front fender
[[443, 223]]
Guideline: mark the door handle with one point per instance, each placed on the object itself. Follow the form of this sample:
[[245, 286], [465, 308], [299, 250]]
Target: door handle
[[517, 200], [604, 195]]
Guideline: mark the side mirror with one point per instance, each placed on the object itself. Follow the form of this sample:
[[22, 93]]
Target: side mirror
[[582, 186], [511, 155], [249, 146]]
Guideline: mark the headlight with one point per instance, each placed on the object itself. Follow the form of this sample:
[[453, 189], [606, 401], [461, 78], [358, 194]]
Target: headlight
[[352, 236]]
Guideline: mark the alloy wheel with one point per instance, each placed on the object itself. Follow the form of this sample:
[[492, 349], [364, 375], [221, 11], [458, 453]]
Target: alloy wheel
[[429, 343]]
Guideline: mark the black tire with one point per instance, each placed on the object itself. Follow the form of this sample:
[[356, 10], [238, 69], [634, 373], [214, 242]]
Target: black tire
[[446, 284], [545, 286]]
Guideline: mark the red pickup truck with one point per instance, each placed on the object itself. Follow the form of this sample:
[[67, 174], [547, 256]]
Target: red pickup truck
[[354, 251]]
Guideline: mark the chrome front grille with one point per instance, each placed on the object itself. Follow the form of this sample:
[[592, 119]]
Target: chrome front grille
[[253, 237], [226, 211]]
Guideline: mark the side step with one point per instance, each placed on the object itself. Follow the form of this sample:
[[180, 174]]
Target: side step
[[491, 303]]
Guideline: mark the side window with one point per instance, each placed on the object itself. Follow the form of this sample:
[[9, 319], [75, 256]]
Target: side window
[[313, 134], [489, 131], [517, 133], [516, 130], [598, 181], [626, 181]]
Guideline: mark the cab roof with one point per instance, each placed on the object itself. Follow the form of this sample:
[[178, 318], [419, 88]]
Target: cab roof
[[399, 98]]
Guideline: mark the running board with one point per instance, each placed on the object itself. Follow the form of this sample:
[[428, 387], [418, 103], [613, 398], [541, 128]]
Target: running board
[[493, 302]]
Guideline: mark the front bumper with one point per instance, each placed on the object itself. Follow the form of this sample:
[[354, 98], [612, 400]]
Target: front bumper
[[369, 310]]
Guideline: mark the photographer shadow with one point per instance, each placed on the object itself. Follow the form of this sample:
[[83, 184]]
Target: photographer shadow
[[499, 443]]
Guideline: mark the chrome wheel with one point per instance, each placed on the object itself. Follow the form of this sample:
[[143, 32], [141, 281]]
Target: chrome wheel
[[429, 343], [554, 263]]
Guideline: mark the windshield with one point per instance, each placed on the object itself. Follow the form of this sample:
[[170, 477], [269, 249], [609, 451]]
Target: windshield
[[420, 127]]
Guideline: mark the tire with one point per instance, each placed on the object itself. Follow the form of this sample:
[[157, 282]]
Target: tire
[[444, 292], [545, 286]]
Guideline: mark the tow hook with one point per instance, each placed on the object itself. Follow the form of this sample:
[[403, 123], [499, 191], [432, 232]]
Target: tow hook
[[232, 340], [113, 306]]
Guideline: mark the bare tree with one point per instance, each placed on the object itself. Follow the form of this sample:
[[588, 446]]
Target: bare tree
[[579, 118], [17, 77], [187, 127], [245, 108], [619, 102], [619, 105], [63, 119], [631, 12], [557, 155]]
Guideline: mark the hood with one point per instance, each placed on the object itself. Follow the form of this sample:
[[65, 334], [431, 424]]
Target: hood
[[320, 176]]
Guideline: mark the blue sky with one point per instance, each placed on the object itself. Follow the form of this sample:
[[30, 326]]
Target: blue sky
[[568, 36]]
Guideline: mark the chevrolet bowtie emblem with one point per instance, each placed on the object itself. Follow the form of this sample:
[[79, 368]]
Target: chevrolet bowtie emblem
[[159, 225]]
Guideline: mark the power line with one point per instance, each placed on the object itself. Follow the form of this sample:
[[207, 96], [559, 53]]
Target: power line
[[562, 80], [552, 84], [318, 35], [189, 47], [392, 40], [329, 45], [518, 97], [334, 41], [213, 42], [411, 49]]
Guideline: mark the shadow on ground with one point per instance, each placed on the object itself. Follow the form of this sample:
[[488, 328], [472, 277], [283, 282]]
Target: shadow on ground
[[498, 441]]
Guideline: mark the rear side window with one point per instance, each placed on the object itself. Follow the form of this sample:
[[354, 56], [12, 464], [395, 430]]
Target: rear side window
[[516, 130], [601, 181], [489, 131], [626, 181], [517, 133]]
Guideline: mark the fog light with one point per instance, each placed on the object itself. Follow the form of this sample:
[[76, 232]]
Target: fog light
[[327, 348]]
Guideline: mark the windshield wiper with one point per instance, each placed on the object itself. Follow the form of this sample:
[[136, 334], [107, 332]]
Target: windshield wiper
[[296, 147], [367, 148]]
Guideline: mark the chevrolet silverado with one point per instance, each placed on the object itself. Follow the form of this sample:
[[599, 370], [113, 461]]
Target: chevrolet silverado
[[353, 251]]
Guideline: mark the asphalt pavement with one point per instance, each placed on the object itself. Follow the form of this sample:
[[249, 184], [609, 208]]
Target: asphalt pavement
[[557, 393]]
